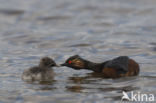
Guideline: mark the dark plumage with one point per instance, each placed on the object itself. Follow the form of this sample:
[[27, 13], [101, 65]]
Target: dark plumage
[[42, 72], [121, 66]]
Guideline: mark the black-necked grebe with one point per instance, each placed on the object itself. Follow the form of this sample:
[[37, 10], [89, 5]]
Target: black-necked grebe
[[121, 66]]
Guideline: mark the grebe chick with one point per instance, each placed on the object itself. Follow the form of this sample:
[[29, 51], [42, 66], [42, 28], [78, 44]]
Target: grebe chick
[[42, 72]]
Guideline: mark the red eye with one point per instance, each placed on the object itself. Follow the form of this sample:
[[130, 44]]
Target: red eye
[[70, 62]]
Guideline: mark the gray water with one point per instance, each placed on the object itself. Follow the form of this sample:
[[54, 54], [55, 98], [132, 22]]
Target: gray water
[[97, 30]]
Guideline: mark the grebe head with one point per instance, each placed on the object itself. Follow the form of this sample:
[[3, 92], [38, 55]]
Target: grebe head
[[47, 62], [75, 62]]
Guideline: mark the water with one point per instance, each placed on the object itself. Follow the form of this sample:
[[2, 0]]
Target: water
[[97, 30]]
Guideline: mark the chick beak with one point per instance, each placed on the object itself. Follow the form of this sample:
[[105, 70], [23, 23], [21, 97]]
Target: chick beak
[[64, 64], [57, 65]]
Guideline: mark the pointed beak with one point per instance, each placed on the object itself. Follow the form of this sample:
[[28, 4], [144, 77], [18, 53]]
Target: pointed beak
[[64, 64], [57, 65]]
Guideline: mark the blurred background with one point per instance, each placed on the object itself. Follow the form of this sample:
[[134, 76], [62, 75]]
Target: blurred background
[[97, 30]]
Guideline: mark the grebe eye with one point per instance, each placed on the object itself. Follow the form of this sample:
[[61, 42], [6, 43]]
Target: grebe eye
[[69, 61]]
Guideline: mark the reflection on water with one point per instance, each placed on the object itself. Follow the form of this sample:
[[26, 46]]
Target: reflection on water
[[96, 81], [11, 12], [41, 82], [96, 30]]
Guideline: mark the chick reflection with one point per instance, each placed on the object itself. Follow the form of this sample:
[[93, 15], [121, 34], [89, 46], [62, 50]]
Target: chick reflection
[[47, 85]]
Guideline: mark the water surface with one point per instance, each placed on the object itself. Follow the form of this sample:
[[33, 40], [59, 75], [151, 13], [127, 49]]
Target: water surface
[[97, 30]]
